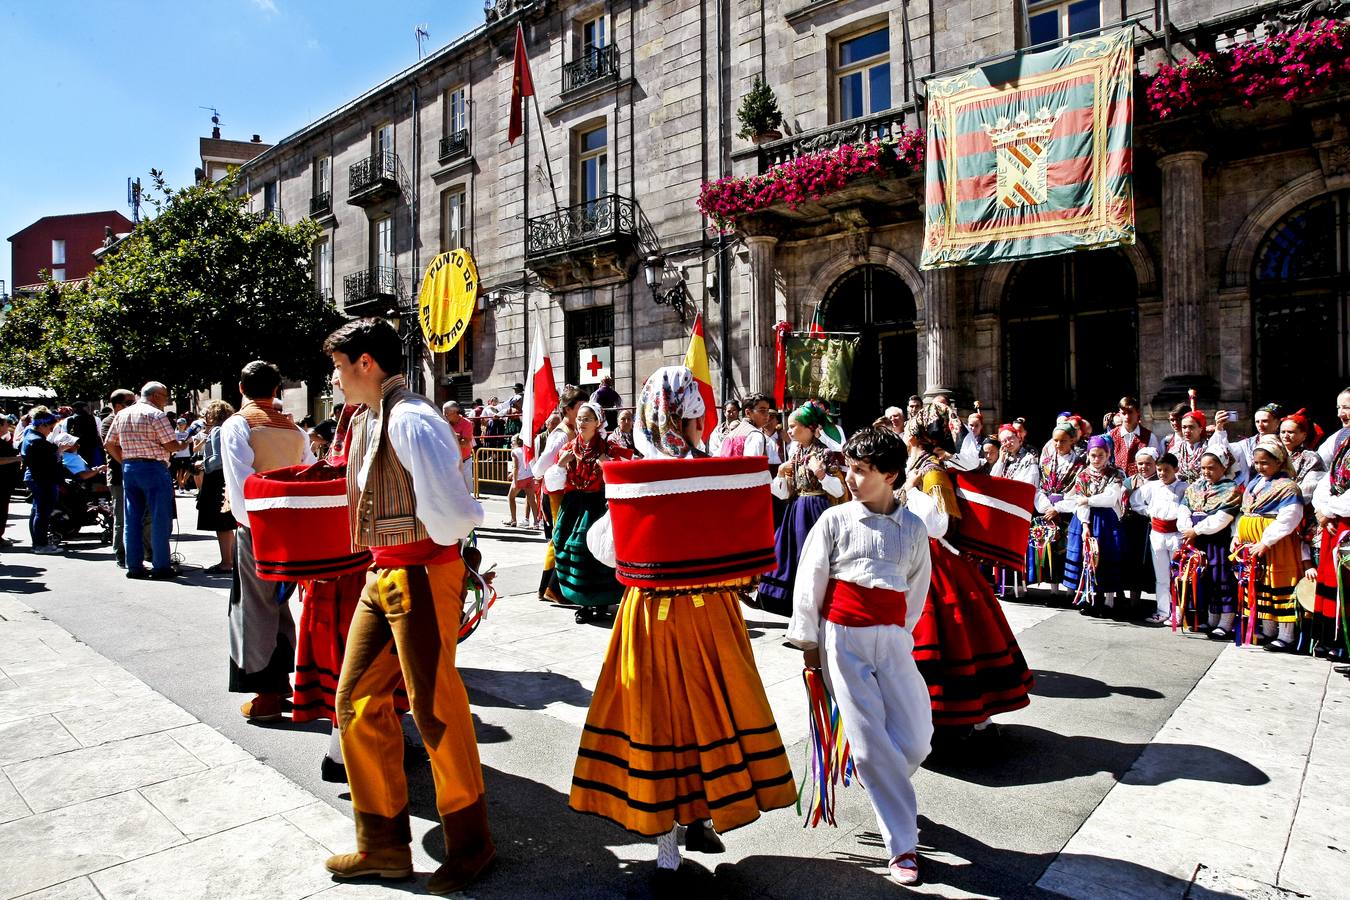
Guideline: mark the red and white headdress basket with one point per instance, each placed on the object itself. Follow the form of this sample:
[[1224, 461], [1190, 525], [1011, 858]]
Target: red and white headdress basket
[[682, 522], [995, 518], [301, 531]]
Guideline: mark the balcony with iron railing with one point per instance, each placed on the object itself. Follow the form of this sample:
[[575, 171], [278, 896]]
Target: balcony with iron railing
[[594, 65], [455, 144], [373, 179], [886, 124], [594, 242], [320, 204], [372, 292]]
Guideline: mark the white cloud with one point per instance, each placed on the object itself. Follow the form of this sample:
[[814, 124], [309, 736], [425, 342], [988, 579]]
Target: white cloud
[[267, 6]]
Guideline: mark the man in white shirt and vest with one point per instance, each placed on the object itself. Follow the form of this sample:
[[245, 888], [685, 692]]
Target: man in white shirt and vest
[[262, 632], [411, 508]]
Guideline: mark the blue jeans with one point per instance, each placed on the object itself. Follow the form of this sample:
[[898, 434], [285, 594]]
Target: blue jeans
[[146, 486], [44, 501]]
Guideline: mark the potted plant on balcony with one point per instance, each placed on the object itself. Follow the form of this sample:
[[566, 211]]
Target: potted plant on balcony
[[759, 114]]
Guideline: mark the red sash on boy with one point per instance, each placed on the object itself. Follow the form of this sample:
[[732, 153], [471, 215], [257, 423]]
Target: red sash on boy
[[859, 607], [1165, 526]]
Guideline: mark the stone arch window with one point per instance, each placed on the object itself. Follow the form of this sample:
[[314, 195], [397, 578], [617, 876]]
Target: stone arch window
[[1301, 305], [1070, 337], [875, 302]]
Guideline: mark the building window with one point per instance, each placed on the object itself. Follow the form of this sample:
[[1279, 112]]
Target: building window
[[456, 110], [323, 176], [593, 36], [862, 74], [323, 267], [459, 358], [382, 243], [270, 198], [58, 274], [592, 164], [453, 219], [58, 253], [587, 330], [383, 139], [1061, 19]]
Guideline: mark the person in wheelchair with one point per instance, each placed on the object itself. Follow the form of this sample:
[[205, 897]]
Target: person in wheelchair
[[83, 493]]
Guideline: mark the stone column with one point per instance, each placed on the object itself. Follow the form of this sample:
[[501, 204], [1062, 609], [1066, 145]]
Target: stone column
[[940, 331], [762, 307], [1185, 280]]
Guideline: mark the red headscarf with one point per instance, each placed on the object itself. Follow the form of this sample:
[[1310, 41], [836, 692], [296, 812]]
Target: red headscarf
[[1198, 416], [1309, 428]]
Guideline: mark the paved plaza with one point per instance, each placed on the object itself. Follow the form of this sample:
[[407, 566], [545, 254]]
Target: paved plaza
[[1148, 764]]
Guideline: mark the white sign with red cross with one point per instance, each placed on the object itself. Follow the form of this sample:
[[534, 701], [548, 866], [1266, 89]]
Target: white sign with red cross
[[595, 364]]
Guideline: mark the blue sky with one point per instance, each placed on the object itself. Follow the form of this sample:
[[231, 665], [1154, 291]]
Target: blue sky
[[93, 92]]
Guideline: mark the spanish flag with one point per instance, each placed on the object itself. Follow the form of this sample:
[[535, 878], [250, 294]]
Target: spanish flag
[[696, 361]]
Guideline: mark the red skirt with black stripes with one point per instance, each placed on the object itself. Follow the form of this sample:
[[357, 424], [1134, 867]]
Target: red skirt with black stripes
[[964, 647], [321, 640]]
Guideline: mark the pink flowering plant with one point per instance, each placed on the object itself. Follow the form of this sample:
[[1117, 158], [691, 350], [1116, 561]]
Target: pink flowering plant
[[1291, 65], [809, 177]]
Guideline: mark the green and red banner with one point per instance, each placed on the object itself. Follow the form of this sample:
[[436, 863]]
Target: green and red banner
[[1031, 156]]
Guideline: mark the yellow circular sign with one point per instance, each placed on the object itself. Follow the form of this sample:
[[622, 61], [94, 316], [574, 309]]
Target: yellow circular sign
[[446, 303]]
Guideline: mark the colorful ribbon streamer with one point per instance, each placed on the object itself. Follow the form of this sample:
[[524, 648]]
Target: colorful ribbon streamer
[[1187, 564], [1249, 570], [828, 760]]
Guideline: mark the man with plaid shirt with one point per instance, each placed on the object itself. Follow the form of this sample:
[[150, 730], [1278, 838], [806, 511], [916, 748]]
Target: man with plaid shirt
[[141, 438]]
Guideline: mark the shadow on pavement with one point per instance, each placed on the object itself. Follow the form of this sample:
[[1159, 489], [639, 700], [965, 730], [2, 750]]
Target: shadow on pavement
[[1025, 754], [1079, 687], [523, 690], [20, 579]]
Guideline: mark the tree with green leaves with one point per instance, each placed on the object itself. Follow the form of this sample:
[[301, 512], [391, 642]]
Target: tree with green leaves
[[194, 292]]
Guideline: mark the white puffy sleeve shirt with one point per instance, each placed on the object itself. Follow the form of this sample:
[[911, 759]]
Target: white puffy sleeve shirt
[[872, 550], [236, 459]]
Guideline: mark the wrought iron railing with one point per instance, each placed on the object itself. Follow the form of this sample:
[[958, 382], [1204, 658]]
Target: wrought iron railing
[[602, 219], [594, 64], [855, 131], [320, 204], [1244, 26], [455, 144], [367, 173], [376, 283]]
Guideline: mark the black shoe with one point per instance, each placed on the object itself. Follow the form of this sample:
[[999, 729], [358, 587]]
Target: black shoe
[[701, 838], [137, 574], [1205, 627], [1321, 651], [332, 771], [1278, 646], [162, 574], [1218, 633], [1337, 654], [121, 564]]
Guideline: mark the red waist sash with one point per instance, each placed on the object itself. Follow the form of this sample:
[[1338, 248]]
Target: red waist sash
[[425, 552], [858, 607], [1165, 526]]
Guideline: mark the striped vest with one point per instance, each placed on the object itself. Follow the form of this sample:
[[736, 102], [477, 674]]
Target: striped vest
[[384, 513], [275, 439]]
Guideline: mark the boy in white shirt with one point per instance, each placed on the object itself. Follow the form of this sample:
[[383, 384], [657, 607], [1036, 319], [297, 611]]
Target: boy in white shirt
[[861, 585]]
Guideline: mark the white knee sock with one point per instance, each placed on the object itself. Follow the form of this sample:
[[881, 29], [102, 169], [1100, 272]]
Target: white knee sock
[[1225, 620], [1287, 632], [1269, 627], [668, 849], [335, 745]]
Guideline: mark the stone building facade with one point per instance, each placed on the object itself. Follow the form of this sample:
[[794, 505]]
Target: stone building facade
[[1238, 285]]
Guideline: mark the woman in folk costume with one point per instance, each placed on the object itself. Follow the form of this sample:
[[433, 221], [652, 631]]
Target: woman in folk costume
[[1093, 506], [1061, 461], [962, 643], [1270, 530], [1301, 436], [1015, 461], [582, 580], [1205, 518], [680, 737], [809, 480], [1189, 444], [1331, 503]]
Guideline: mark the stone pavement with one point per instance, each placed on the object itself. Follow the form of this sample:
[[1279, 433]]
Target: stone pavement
[[125, 769]]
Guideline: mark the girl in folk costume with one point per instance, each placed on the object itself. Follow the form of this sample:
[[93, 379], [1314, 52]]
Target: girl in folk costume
[[962, 643], [1270, 530], [1015, 461], [680, 738], [1060, 464], [1331, 502], [1158, 500], [1300, 436], [1093, 506], [551, 500], [809, 481], [582, 580], [1205, 518], [1189, 444]]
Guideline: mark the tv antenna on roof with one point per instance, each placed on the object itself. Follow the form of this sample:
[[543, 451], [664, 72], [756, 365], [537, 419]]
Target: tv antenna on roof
[[422, 35], [215, 115]]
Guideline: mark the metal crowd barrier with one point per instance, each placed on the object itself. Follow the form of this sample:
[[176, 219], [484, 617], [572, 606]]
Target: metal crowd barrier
[[491, 465]]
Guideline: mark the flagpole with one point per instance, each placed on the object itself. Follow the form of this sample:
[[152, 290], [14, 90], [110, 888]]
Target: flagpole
[[548, 164]]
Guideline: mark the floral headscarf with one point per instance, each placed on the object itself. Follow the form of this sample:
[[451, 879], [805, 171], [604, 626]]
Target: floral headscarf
[[668, 397], [1275, 447]]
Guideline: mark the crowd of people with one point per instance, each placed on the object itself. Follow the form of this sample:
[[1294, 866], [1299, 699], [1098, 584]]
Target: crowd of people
[[859, 542]]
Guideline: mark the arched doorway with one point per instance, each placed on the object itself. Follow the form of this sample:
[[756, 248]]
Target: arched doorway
[[1300, 307], [876, 303], [1070, 338]]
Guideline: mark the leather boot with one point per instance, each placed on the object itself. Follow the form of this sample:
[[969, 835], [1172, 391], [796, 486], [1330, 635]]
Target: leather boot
[[468, 849], [390, 862]]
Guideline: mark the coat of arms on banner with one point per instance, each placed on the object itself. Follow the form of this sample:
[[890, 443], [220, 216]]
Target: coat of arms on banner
[[1031, 156]]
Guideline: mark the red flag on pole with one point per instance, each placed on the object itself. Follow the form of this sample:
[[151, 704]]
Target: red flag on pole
[[522, 86]]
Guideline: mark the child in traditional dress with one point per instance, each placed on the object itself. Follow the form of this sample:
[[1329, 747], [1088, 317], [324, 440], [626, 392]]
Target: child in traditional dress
[[1270, 530], [1158, 500], [1206, 520], [1061, 461], [1094, 506], [861, 583], [680, 738]]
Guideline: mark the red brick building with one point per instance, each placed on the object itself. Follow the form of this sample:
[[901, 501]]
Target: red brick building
[[61, 245]]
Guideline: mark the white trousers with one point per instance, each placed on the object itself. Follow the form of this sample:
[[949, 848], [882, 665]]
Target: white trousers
[[1164, 546], [888, 721], [467, 468]]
